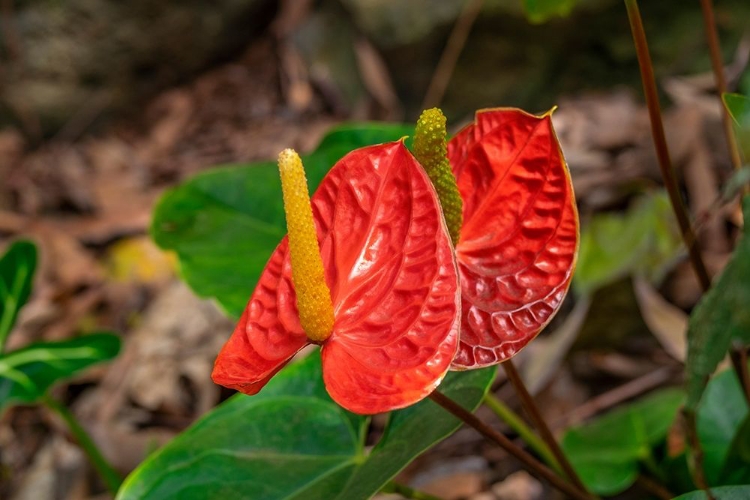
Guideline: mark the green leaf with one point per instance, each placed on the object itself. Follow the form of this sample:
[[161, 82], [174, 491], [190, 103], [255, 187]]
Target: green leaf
[[739, 109], [719, 420], [413, 430], [722, 493], [645, 240], [720, 318], [607, 451], [736, 468], [291, 441], [225, 223], [26, 374], [539, 11], [17, 268]]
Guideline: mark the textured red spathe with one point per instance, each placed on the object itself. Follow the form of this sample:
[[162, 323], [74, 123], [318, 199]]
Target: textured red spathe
[[519, 239], [393, 277]]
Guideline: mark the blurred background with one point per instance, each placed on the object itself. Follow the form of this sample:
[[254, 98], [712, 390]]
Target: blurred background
[[105, 104]]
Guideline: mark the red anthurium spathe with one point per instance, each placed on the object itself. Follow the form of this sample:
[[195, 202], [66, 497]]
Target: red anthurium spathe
[[393, 279], [519, 238]]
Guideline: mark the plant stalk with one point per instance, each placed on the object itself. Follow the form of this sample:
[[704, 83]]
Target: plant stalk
[[105, 470], [696, 452], [532, 464], [660, 143], [532, 410], [714, 48], [407, 492], [514, 421]]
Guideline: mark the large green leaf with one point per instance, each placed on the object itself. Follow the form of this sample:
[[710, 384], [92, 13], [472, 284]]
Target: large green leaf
[[645, 240], [720, 318], [739, 108], [539, 11], [17, 268], [225, 223], [722, 493], [606, 452], [26, 374], [720, 417], [412, 430], [291, 441]]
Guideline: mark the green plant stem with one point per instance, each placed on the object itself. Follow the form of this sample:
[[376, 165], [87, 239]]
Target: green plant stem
[[712, 37], [515, 422], [530, 463], [738, 355], [660, 143], [407, 492], [532, 410], [108, 474]]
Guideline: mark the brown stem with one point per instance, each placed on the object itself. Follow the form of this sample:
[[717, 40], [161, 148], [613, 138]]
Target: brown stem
[[696, 451], [738, 354], [654, 487], [449, 58], [532, 465], [532, 410], [712, 38], [660, 143]]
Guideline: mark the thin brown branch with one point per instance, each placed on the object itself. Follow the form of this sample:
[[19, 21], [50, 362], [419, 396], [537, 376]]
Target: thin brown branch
[[616, 396], [531, 464], [712, 37], [532, 410], [660, 143], [450, 55], [696, 451]]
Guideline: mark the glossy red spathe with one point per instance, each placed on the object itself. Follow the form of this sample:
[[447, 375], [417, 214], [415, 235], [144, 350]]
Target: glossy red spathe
[[393, 278], [519, 239]]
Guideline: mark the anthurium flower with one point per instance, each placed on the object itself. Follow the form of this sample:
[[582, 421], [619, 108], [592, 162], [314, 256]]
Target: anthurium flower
[[519, 237], [382, 300]]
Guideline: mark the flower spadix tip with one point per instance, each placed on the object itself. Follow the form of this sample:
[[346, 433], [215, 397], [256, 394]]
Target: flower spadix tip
[[430, 149], [313, 295]]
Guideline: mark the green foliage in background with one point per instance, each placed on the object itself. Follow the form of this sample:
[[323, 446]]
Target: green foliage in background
[[27, 373], [739, 108], [720, 319], [17, 269], [723, 493], [611, 451], [539, 11], [645, 240], [607, 453]]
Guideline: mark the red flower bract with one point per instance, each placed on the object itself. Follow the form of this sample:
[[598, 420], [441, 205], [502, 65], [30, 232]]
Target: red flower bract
[[519, 238], [393, 278]]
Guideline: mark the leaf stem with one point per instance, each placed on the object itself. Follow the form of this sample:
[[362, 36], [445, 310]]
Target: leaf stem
[[660, 143], [407, 492], [696, 451], [514, 421], [532, 410], [105, 470], [532, 464], [712, 37], [738, 355]]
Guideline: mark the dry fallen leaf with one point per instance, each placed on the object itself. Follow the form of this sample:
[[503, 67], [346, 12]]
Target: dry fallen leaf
[[667, 322]]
